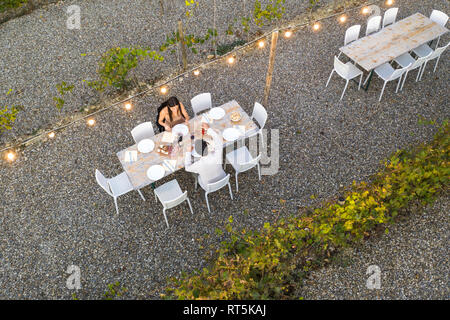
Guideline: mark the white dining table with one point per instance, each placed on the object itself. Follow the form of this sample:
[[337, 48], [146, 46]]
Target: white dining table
[[136, 169], [392, 41]]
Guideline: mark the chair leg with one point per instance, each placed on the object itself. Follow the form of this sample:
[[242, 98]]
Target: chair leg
[[196, 181], [423, 70], [190, 207], [231, 193], [165, 217], [237, 183], [345, 88], [382, 90], [418, 73], [360, 80], [259, 171], [140, 193], [329, 78], [117, 207], [398, 85], [207, 202], [404, 80], [156, 198]]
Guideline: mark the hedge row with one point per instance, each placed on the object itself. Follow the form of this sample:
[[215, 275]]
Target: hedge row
[[270, 263]]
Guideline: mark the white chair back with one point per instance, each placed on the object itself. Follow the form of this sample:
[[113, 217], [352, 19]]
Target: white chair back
[[103, 182], [244, 166], [174, 202], [352, 34], [201, 102], [399, 72], [341, 68], [436, 53], [211, 187], [439, 17], [390, 16], [373, 25], [420, 61], [259, 114], [142, 131]]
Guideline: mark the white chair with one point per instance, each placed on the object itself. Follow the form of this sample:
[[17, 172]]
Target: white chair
[[388, 73], [201, 102], [242, 160], [142, 131], [440, 18], [170, 195], [351, 34], [347, 71], [259, 114], [426, 51], [390, 16], [214, 186], [116, 186], [407, 60], [373, 25]]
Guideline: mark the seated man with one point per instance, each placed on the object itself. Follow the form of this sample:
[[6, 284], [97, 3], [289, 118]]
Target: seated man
[[209, 168]]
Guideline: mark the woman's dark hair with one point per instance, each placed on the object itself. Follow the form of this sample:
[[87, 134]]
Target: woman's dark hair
[[172, 102]]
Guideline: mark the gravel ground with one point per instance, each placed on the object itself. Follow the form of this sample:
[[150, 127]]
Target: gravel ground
[[413, 259], [55, 215]]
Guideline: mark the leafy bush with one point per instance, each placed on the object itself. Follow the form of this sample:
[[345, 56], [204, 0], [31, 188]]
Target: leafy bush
[[269, 263], [11, 4], [7, 117], [116, 63]]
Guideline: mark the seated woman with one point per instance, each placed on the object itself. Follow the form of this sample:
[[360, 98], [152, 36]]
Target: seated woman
[[171, 114]]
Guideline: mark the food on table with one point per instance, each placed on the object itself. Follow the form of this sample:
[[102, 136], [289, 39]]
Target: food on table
[[235, 116]]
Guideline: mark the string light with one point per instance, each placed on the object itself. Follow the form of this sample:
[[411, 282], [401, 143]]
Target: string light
[[128, 106], [91, 122], [261, 44], [343, 18], [365, 10], [288, 34], [389, 2], [231, 60], [316, 26], [51, 135], [196, 72], [163, 90], [11, 156]]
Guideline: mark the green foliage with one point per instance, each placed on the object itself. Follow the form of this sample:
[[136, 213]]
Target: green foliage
[[11, 4], [116, 63], [190, 7], [62, 88], [190, 40], [271, 262], [225, 48], [114, 290], [8, 116]]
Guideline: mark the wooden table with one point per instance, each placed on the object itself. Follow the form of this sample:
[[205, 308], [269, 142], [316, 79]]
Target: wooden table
[[393, 41], [137, 170]]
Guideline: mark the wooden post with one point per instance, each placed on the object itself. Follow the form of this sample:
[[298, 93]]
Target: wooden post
[[273, 47], [183, 44]]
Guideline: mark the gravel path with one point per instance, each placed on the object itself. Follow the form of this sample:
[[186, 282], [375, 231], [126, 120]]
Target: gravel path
[[413, 259], [53, 214]]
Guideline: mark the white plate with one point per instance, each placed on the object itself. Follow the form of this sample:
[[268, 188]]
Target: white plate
[[146, 146], [231, 134], [217, 113], [155, 172], [180, 129]]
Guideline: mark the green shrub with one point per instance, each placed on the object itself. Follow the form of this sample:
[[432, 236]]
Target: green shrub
[[11, 4], [269, 263], [116, 63], [7, 117]]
